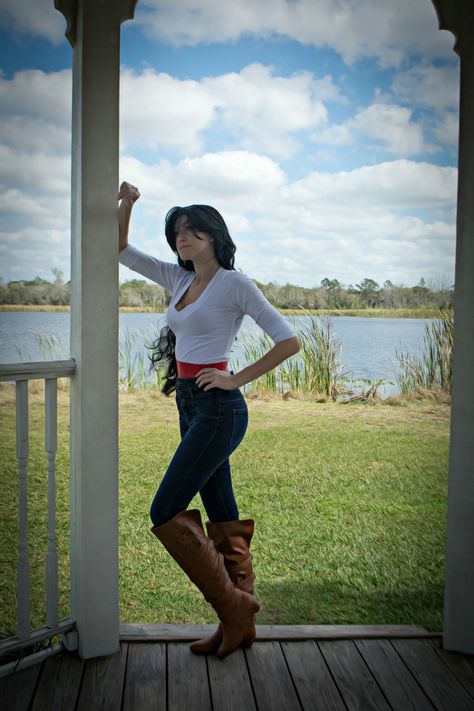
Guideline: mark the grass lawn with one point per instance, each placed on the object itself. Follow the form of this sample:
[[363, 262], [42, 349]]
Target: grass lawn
[[349, 503]]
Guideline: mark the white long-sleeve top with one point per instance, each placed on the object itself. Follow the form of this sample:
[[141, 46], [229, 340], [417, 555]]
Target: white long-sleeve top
[[206, 328]]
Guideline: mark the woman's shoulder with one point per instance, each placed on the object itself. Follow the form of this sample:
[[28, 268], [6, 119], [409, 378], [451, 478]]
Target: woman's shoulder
[[239, 287], [235, 277]]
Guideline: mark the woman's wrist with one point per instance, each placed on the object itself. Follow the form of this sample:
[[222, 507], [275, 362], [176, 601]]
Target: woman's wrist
[[237, 381]]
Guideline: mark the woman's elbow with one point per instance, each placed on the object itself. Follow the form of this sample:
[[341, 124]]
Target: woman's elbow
[[293, 345]]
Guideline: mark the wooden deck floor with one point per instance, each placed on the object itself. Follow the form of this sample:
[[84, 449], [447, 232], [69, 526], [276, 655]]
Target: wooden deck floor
[[273, 675]]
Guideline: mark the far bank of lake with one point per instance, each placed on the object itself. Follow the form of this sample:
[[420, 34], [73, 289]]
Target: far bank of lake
[[364, 313]]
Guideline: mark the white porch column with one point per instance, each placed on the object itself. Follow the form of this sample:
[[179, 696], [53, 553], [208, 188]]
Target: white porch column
[[94, 32], [458, 635]]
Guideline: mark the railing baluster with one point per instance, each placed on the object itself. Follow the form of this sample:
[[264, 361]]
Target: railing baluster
[[50, 441], [22, 373], [23, 619]]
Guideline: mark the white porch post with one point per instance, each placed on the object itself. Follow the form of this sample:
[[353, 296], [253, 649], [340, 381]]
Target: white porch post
[[94, 32], [458, 635]]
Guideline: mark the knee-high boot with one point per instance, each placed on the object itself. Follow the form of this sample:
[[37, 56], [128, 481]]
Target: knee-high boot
[[232, 539], [184, 538]]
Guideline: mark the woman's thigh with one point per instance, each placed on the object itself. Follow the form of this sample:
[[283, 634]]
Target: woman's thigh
[[214, 424]]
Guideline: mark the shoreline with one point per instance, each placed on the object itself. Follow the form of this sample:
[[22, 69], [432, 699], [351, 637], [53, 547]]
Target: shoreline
[[361, 313]]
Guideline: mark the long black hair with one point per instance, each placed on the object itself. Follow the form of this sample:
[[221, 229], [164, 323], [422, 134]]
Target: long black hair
[[202, 218]]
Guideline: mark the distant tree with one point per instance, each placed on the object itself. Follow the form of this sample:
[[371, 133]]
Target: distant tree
[[368, 289], [138, 293], [330, 284], [421, 293], [333, 289]]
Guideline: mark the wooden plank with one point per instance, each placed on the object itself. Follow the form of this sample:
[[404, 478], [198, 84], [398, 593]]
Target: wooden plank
[[461, 665], [188, 683], [396, 681], [356, 684], [272, 683], [103, 682], [314, 684], [189, 632], [231, 689], [145, 681], [59, 684], [438, 682], [164, 632], [17, 689]]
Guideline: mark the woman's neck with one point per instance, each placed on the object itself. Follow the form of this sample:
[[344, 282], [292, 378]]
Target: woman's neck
[[206, 269]]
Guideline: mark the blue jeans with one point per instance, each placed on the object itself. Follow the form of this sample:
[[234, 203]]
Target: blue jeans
[[212, 424]]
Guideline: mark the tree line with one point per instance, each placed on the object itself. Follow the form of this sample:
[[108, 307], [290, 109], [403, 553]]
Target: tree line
[[330, 294]]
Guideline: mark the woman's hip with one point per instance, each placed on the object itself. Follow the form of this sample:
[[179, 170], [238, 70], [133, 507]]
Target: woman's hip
[[217, 416]]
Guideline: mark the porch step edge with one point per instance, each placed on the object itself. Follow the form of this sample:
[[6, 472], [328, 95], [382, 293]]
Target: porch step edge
[[188, 632]]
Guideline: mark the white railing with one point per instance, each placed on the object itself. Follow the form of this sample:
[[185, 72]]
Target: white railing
[[27, 639]]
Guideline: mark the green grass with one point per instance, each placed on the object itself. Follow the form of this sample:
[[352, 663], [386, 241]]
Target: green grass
[[349, 503]]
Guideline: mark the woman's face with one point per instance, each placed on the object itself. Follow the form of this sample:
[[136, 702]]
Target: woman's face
[[192, 244]]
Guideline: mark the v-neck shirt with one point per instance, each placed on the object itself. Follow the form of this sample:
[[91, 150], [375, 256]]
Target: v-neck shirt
[[206, 328]]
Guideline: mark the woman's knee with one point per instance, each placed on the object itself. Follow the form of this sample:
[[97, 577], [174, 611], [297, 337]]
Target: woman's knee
[[161, 514], [158, 513]]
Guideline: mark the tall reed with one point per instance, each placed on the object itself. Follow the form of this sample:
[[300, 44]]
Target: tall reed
[[132, 372], [432, 369], [318, 361], [315, 370]]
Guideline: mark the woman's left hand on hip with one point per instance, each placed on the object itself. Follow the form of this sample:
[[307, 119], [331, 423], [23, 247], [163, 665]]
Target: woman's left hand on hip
[[208, 378]]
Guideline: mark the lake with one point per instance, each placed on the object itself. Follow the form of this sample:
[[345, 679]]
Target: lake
[[368, 345]]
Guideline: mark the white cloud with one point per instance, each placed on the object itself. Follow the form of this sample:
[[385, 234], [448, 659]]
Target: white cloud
[[447, 128], [383, 29], [392, 126], [240, 180], [37, 172], [435, 87], [38, 18], [391, 185], [33, 92], [31, 251], [389, 125], [34, 134], [251, 109], [273, 108], [350, 224], [159, 111], [383, 221]]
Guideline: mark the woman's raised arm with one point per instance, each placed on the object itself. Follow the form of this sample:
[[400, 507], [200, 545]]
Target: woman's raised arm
[[128, 194]]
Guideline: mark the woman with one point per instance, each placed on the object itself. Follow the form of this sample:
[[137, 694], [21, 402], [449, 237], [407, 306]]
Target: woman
[[209, 301]]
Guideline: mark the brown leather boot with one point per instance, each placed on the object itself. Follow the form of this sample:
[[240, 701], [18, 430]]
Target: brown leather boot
[[232, 539], [184, 538]]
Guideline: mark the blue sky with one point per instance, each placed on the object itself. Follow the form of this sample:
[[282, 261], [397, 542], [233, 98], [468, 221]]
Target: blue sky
[[325, 131]]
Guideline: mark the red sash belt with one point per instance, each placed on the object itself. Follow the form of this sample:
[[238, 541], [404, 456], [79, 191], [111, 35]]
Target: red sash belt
[[190, 370]]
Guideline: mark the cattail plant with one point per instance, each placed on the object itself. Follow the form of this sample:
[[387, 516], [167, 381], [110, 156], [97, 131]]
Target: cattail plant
[[432, 369], [315, 370]]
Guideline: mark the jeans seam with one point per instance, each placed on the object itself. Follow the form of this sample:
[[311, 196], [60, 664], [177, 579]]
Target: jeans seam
[[224, 506]]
